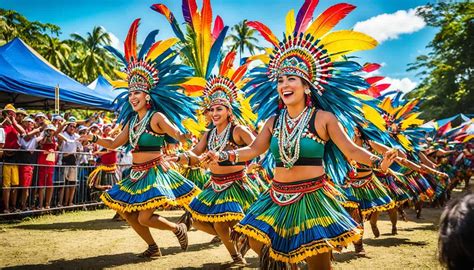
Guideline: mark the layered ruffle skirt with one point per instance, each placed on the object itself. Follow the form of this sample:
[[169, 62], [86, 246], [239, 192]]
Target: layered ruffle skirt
[[226, 197], [198, 176], [368, 193], [149, 186], [298, 220]]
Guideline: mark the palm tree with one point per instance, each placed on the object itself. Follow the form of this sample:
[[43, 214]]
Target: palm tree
[[242, 37], [93, 58], [57, 53]]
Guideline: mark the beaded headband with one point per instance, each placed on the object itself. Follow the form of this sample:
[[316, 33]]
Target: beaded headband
[[300, 55], [141, 76], [219, 90]]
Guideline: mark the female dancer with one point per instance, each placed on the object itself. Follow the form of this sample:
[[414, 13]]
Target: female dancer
[[151, 79], [229, 192], [299, 218]]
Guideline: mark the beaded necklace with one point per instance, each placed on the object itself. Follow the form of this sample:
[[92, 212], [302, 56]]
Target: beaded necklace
[[217, 142], [290, 133], [137, 128]]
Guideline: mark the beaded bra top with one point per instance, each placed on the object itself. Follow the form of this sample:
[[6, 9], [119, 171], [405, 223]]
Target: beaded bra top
[[312, 146]]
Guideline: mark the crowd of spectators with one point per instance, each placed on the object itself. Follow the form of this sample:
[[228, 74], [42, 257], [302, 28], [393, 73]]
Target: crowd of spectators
[[44, 162]]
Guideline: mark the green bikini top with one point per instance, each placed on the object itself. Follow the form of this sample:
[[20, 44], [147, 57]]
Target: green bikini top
[[150, 141], [311, 146]]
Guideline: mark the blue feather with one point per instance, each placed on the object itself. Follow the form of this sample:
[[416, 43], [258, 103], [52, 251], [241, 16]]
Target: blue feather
[[149, 40], [215, 51]]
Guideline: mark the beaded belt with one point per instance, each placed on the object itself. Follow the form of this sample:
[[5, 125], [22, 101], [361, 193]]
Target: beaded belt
[[221, 182], [288, 193], [139, 170], [358, 182]]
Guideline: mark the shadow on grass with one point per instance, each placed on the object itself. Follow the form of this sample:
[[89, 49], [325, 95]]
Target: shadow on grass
[[99, 262], [253, 264], [88, 225], [392, 241], [348, 256]]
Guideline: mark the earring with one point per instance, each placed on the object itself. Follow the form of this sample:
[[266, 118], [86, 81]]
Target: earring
[[148, 102], [280, 104], [309, 103], [307, 91]]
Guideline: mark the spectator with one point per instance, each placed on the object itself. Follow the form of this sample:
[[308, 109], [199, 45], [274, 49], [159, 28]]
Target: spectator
[[40, 120], [46, 161], [20, 115], [27, 142], [456, 234], [10, 171], [69, 146]]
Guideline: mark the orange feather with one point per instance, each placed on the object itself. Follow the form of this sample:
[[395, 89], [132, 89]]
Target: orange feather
[[328, 19], [206, 38], [240, 72], [227, 63], [131, 41]]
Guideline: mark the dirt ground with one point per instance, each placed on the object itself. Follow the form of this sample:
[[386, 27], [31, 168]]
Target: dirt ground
[[91, 240]]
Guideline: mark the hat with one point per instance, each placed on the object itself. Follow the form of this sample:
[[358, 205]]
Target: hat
[[40, 114], [71, 120], [81, 128], [28, 119], [21, 111], [57, 117], [94, 125], [9, 107], [50, 127]]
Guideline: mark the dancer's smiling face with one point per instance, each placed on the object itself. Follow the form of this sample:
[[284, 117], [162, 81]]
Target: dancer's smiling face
[[291, 89], [137, 99], [219, 115]]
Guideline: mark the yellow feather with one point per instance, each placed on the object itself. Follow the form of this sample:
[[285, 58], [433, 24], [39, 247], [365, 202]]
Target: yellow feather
[[346, 41], [162, 47], [387, 105], [119, 84], [468, 138], [405, 142], [362, 96], [412, 120], [290, 22], [262, 57], [247, 113], [121, 75], [374, 117], [196, 128]]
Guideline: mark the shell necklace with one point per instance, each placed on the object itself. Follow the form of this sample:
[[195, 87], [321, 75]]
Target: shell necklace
[[217, 142], [137, 128]]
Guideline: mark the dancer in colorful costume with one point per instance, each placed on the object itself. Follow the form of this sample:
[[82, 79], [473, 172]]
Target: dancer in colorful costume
[[299, 218], [150, 109], [229, 192]]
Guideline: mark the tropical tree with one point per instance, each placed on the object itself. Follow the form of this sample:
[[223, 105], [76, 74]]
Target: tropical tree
[[242, 37], [57, 53], [447, 70], [91, 56]]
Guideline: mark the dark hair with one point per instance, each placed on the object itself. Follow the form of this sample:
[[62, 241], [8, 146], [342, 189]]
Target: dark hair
[[456, 234]]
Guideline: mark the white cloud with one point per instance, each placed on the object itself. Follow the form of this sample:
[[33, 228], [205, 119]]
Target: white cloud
[[390, 26], [405, 84], [115, 42]]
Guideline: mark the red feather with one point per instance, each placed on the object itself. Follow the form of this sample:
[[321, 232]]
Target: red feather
[[163, 10], [330, 18], [382, 87], [369, 67], [131, 41], [227, 63], [264, 31], [218, 26], [373, 80], [239, 73], [304, 15]]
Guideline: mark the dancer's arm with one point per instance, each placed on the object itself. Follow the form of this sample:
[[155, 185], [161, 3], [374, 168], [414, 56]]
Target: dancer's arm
[[108, 143], [352, 151], [161, 123]]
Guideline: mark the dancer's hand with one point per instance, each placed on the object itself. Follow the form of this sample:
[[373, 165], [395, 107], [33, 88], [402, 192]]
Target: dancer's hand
[[388, 159], [209, 157]]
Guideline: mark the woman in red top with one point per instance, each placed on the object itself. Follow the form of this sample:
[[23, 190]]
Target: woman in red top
[[46, 162]]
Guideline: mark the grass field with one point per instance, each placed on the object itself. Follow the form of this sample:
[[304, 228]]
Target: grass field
[[91, 240]]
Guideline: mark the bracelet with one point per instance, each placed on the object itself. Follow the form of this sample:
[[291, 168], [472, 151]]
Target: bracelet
[[188, 159], [179, 158], [376, 162], [223, 156], [236, 152], [232, 156]]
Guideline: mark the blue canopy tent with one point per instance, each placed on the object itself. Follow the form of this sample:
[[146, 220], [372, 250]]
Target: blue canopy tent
[[29, 81], [101, 87]]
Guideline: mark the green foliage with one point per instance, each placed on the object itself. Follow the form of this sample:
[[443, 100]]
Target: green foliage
[[446, 72], [82, 58]]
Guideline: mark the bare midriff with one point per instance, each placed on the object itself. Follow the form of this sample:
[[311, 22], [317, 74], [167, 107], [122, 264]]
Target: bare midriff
[[298, 173]]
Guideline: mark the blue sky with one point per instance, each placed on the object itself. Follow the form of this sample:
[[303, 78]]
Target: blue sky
[[403, 36]]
